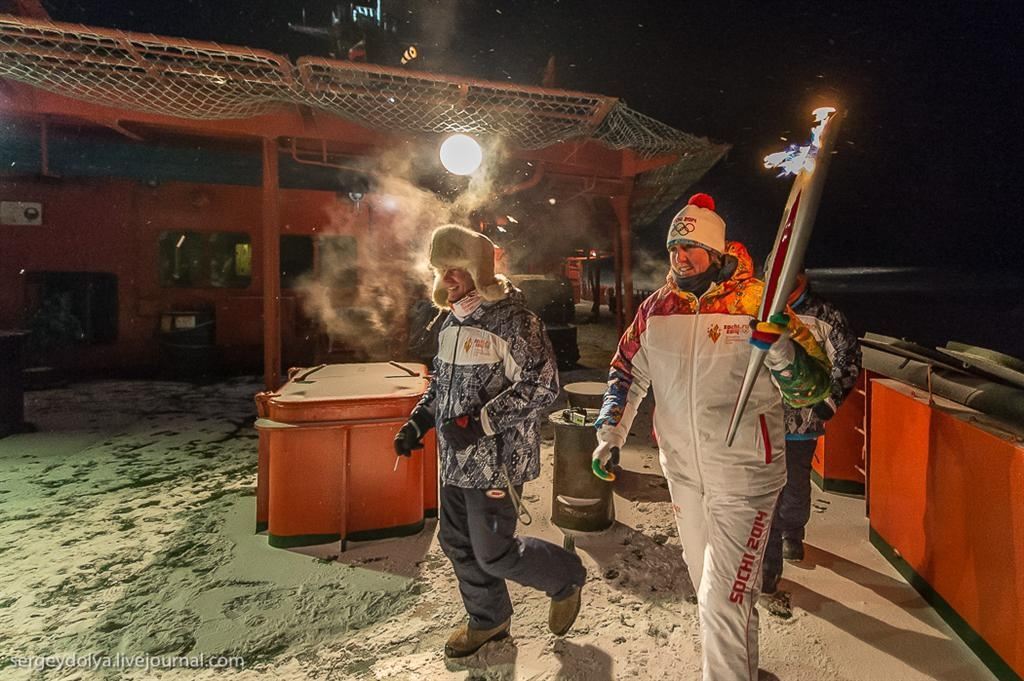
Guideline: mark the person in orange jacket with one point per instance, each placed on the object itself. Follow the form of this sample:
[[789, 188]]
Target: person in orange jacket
[[689, 343]]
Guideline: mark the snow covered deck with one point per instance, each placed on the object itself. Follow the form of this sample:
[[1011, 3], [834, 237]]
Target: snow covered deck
[[126, 527]]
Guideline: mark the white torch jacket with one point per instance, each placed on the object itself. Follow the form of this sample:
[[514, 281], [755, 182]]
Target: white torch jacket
[[693, 353]]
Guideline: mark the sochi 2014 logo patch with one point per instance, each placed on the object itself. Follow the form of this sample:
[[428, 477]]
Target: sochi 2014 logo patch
[[736, 333], [714, 333], [479, 348]]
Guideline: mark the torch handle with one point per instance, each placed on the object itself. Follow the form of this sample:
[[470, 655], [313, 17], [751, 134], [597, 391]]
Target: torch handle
[[787, 257], [749, 378]]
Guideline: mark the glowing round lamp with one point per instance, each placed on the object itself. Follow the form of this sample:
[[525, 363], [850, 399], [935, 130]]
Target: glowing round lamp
[[461, 155]]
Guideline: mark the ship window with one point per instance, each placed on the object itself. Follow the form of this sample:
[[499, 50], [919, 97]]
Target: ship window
[[205, 259], [71, 307], [230, 256], [181, 257]]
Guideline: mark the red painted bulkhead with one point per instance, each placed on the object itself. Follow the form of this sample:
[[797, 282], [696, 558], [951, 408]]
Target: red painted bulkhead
[[113, 225]]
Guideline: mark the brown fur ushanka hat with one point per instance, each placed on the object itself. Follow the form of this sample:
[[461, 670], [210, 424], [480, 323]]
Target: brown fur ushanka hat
[[452, 246]]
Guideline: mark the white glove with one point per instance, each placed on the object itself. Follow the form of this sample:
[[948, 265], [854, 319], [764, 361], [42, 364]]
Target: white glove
[[604, 457], [781, 354], [774, 336]]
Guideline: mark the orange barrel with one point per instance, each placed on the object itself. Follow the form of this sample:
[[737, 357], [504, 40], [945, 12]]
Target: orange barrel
[[263, 460], [349, 392], [305, 482], [262, 476], [327, 466], [385, 500]]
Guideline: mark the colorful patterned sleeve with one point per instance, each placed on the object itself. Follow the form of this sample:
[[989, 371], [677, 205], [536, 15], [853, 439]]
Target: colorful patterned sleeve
[[628, 382], [808, 379], [846, 353]]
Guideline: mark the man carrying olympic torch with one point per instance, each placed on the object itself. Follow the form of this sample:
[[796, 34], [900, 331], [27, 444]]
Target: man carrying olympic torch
[[690, 342]]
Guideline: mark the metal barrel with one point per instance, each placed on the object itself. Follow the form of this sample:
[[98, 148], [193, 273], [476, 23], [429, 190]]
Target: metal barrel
[[188, 343], [579, 500], [585, 394]]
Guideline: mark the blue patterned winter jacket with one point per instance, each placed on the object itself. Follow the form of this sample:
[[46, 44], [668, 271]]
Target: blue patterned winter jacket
[[831, 329], [498, 362]]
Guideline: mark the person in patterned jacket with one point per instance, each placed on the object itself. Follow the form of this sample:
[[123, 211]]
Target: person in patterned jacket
[[493, 375], [689, 342], [804, 425]]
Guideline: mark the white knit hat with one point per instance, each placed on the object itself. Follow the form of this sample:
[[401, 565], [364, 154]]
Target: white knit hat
[[455, 247], [698, 224]]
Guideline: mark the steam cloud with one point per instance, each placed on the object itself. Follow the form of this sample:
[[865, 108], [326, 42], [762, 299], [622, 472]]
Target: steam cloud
[[362, 300], [369, 300]]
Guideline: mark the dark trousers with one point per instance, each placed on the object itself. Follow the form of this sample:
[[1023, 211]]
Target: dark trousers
[[794, 507], [478, 534]]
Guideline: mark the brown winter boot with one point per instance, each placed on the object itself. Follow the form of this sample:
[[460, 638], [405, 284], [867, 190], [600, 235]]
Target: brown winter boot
[[562, 613], [465, 641]]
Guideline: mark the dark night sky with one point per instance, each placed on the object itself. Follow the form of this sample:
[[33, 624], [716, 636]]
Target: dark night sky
[[929, 166]]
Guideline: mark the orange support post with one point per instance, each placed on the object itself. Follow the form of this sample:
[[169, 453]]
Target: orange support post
[[271, 270], [624, 256]]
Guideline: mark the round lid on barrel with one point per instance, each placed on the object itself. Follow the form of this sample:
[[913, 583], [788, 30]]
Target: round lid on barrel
[[586, 388], [587, 394]]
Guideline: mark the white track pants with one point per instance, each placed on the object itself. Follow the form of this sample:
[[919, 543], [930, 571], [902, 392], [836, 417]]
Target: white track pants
[[723, 540]]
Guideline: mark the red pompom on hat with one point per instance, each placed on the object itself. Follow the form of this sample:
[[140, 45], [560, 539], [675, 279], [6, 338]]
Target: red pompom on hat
[[698, 224], [702, 201]]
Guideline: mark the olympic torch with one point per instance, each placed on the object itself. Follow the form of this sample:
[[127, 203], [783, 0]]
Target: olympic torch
[[809, 163]]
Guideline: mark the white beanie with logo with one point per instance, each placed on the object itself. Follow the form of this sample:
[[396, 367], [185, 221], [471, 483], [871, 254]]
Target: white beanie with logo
[[455, 247], [697, 224]]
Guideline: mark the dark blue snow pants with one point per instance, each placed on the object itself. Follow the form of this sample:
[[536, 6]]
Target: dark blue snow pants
[[794, 507], [478, 534]]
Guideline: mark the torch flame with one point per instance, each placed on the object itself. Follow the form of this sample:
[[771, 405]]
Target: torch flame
[[796, 158]]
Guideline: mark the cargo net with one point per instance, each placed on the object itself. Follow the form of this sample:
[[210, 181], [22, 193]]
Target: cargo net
[[196, 80], [655, 190], [392, 99], [143, 72]]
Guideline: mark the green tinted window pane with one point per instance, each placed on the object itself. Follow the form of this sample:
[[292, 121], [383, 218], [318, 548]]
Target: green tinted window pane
[[243, 260], [230, 256], [181, 259], [338, 261], [296, 258]]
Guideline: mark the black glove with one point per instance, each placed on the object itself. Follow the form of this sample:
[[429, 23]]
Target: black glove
[[462, 431], [823, 410], [410, 436]]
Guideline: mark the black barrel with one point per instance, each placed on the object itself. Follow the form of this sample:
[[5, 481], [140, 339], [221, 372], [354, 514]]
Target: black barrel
[[580, 500], [12, 395], [187, 343], [564, 342]]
